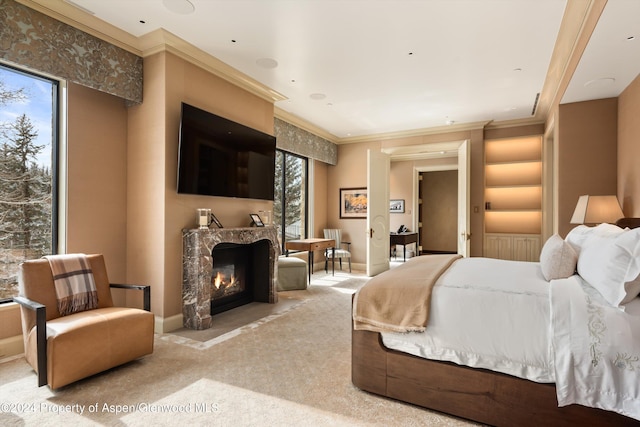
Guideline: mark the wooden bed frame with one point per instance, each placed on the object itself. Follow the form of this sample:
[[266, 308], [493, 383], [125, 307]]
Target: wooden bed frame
[[476, 394]]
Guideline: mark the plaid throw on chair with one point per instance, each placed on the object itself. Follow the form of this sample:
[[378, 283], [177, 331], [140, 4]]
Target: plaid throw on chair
[[73, 280]]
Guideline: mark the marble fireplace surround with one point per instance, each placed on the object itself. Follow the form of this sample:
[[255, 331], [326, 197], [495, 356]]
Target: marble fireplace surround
[[197, 268]]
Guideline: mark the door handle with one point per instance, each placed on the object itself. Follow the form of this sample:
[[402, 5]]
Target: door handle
[[371, 233]]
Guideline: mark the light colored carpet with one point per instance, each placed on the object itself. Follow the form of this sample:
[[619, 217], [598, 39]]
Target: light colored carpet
[[289, 369]]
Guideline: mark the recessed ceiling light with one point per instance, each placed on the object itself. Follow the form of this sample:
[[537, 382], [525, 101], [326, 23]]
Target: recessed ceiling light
[[517, 70], [317, 96], [267, 63], [449, 122], [181, 7]]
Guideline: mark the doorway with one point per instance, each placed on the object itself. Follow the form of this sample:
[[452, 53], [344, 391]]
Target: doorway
[[438, 212]]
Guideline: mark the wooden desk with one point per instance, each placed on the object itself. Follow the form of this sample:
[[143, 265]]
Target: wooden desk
[[403, 239], [312, 245]]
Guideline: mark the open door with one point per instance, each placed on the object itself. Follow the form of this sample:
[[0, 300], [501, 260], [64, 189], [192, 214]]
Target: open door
[[378, 169], [464, 219]]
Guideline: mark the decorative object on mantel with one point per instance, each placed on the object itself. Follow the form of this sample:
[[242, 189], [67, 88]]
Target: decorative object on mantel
[[202, 218], [266, 217], [257, 221], [215, 221]]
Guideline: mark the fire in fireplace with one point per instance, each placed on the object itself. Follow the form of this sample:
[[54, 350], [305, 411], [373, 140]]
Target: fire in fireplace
[[240, 275]]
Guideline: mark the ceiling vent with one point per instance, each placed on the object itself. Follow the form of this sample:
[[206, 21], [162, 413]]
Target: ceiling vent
[[535, 104]]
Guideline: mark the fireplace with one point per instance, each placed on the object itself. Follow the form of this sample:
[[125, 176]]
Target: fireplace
[[248, 254], [240, 275]]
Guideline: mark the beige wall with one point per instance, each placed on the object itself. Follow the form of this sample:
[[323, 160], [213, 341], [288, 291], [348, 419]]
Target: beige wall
[[349, 172], [401, 186], [97, 177], [157, 214], [321, 199], [629, 149], [587, 154]]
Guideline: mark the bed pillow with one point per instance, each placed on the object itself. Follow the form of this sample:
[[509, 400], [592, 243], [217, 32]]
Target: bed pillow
[[611, 264], [558, 260], [578, 236]]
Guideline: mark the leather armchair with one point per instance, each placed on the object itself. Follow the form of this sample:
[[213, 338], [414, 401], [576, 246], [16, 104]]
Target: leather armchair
[[64, 349]]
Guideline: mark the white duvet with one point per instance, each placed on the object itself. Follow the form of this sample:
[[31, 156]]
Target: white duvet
[[597, 349], [504, 316]]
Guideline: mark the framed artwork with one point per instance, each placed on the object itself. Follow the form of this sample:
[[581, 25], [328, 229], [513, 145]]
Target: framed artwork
[[257, 220], [353, 203], [215, 221], [396, 206]]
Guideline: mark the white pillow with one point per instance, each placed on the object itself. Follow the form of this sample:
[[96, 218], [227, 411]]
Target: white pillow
[[557, 259], [611, 264], [578, 235]]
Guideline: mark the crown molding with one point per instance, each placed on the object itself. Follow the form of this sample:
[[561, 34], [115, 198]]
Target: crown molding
[[149, 44], [437, 130], [515, 123], [163, 41]]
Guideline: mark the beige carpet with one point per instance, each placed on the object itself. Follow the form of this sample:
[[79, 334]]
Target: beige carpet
[[290, 368]]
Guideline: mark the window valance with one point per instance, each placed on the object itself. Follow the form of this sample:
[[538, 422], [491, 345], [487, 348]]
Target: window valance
[[299, 141], [42, 43]]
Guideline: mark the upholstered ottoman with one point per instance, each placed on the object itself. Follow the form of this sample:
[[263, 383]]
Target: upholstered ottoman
[[292, 274]]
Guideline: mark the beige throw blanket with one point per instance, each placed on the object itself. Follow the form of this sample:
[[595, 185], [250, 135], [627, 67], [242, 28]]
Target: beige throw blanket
[[398, 300], [74, 284]]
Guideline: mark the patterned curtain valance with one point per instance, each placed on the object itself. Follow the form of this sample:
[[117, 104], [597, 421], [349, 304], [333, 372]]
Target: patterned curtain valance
[[298, 141], [37, 41]]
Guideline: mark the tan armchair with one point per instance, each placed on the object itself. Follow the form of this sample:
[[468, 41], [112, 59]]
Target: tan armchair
[[64, 349], [342, 248]]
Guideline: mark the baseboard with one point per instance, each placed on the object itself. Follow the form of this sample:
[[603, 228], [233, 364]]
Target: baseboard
[[168, 324], [11, 346]]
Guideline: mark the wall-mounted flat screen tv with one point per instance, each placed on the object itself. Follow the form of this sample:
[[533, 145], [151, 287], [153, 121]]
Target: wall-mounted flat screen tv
[[219, 157]]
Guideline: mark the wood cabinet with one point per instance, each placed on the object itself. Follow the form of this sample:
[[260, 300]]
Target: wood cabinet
[[513, 198], [517, 247]]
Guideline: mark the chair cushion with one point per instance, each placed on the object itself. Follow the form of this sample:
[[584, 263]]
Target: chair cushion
[[340, 253], [85, 343]]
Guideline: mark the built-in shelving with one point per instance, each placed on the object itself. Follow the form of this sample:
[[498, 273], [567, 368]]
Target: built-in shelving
[[513, 197]]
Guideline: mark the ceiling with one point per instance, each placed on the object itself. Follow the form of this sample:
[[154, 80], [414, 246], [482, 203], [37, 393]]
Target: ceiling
[[356, 68]]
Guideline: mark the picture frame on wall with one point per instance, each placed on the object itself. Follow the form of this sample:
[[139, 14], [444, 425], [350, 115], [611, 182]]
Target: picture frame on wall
[[353, 202], [396, 206]]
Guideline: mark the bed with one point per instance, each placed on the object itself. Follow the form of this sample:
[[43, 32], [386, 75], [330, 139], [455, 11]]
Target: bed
[[536, 382]]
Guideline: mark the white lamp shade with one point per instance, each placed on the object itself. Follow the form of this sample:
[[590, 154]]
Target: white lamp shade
[[596, 210]]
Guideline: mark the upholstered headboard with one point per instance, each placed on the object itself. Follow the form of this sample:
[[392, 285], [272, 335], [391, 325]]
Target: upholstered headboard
[[628, 222]]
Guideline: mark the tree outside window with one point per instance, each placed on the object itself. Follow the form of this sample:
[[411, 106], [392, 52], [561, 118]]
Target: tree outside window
[[290, 200], [26, 178]]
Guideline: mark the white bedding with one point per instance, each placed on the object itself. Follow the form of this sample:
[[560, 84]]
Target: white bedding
[[597, 348], [503, 316], [513, 336]]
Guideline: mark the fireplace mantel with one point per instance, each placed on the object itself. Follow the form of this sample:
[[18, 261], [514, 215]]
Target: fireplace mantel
[[197, 267]]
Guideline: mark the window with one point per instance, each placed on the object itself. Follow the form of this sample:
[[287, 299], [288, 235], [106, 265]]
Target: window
[[290, 200], [28, 147]]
